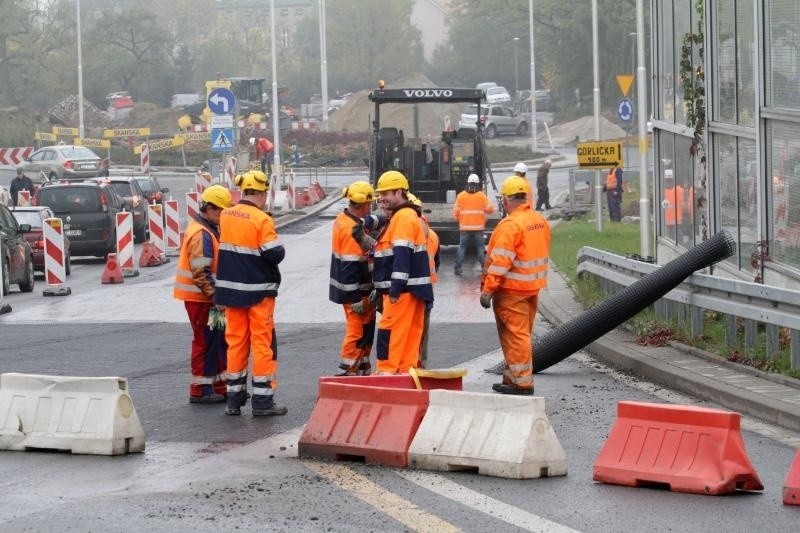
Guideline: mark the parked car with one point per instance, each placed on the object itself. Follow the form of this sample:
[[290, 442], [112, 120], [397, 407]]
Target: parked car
[[486, 85], [34, 216], [497, 95], [88, 209], [16, 263], [496, 119], [133, 200], [63, 161], [151, 188]]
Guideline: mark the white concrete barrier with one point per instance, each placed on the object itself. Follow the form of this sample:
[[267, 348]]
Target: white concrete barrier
[[78, 414], [503, 436]]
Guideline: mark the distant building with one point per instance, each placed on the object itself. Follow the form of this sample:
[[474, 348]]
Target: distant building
[[430, 17], [750, 184]]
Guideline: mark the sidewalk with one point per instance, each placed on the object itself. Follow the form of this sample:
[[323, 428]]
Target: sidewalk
[[773, 398]]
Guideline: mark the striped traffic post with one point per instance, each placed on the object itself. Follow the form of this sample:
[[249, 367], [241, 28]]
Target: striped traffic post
[[172, 228], [125, 245], [55, 272], [145, 159], [155, 223], [290, 199], [23, 198], [202, 181], [230, 172], [192, 205]]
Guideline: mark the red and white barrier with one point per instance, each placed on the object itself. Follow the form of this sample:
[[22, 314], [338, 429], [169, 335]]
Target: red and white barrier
[[230, 172], [172, 228], [145, 159], [291, 201], [155, 222], [55, 271], [202, 181], [14, 156], [23, 198], [125, 244], [192, 204]]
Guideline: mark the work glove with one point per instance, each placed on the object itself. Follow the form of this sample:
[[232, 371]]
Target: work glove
[[365, 242], [486, 300], [358, 307]]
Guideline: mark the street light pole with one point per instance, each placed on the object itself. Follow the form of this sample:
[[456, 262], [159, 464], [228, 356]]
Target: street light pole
[[80, 73], [534, 141], [276, 119], [323, 53], [633, 35], [516, 68]]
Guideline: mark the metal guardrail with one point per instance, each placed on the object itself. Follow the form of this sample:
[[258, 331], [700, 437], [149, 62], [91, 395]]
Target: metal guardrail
[[753, 304]]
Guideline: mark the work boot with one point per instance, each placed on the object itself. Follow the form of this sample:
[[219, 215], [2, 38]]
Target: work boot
[[236, 401], [268, 408], [502, 388], [458, 272], [207, 398]]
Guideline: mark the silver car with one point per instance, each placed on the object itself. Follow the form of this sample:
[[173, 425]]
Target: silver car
[[62, 161]]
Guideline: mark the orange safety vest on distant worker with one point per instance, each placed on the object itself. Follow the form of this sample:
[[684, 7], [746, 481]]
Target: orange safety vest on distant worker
[[197, 265], [674, 212], [471, 209], [518, 253], [611, 180]]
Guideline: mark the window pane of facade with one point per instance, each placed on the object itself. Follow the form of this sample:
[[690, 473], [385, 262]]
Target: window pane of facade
[[669, 207], [745, 63], [684, 179], [783, 140], [748, 201], [723, 62], [666, 61], [725, 165], [783, 57], [683, 17]]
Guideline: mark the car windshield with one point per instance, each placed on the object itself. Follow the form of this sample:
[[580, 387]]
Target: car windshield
[[123, 189], [146, 185], [29, 217], [495, 90], [69, 199], [77, 152]]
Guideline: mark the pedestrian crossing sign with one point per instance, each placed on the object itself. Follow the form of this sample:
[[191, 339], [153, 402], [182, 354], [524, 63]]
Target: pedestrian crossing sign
[[222, 140]]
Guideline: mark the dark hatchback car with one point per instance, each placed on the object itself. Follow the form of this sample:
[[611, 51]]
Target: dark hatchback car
[[134, 200], [16, 263], [152, 190], [35, 216], [88, 209]]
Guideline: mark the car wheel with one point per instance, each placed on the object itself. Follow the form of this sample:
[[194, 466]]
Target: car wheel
[[522, 129], [27, 285], [491, 132], [4, 274], [68, 266], [53, 176]]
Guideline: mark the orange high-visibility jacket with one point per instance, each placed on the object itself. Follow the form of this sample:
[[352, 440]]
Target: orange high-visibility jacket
[[518, 253], [351, 270], [614, 179], [197, 265], [434, 259], [674, 212], [401, 257], [471, 209]]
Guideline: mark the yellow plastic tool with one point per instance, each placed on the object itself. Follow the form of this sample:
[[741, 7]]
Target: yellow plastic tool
[[447, 373]]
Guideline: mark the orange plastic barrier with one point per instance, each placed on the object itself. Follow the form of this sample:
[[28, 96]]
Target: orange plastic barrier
[[112, 273], [682, 448], [150, 256], [791, 487], [367, 418]]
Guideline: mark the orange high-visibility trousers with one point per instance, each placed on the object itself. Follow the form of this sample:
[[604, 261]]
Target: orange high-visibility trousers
[[358, 337], [515, 314], [399, 334], [253, 327]]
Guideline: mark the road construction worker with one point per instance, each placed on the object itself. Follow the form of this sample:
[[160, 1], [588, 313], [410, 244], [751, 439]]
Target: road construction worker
[[20, 183], [542, 188], [521, 170], [402, 278], [515, 271], [351, 281], [432, 241], [613, 190], [247, 285], [195, 280], [263, 148], [470, 210]]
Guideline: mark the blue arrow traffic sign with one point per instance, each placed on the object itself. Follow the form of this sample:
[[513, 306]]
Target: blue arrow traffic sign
[[625, 110], [221, 101]]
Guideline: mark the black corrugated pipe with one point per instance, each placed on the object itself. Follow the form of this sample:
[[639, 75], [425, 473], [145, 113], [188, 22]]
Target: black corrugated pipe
[[561, 342]]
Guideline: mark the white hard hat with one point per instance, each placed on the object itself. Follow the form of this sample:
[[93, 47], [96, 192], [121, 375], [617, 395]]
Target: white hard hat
[[252, 141], [521, 167], [473, 178]]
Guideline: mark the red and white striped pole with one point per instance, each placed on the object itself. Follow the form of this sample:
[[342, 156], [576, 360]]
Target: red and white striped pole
[[145, 159], [230, 172], [23, 198], [192, 205], [202, 181], [172, 228], [155, 223], [55, 272], [125, 245], [290, 199]]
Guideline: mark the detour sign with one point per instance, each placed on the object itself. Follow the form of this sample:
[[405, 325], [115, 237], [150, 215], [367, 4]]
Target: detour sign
[[599, 154]]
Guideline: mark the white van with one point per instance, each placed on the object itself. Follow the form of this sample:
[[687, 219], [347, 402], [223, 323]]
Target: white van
[[184, 99]]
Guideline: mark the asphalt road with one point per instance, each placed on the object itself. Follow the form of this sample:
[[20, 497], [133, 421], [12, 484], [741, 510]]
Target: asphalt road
[[203, 471]]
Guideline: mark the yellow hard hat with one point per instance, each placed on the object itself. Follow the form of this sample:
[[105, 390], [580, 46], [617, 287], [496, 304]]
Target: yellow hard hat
[[416, 202], [514, 185], [359, 192], [253, 179], [218, 196], [391, 180]]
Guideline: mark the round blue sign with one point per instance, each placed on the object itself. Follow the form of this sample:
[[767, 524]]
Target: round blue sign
[[625, 110], [221, 101]]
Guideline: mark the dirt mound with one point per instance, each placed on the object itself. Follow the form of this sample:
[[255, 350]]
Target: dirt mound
[[583, 129], [357, 113]]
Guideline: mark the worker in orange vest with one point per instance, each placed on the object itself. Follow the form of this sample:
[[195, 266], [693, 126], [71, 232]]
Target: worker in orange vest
[[672, 204], [434, 260], [613, 190], [263, 148], [248, 278], [402, 278], [195, 282], [515, 272], [351, 281], [470, 210]]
